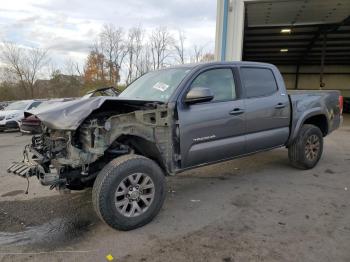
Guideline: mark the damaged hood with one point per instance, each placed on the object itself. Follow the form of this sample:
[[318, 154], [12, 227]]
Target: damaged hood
[[70, 115]]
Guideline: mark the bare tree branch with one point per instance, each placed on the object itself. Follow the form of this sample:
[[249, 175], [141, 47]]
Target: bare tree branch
[[179, 47], [135, 49], [112, 45], [198, 53], [160, 42], [25, 64], [73, 68]]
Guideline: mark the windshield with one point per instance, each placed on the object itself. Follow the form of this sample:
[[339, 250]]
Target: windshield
[[20, 105], [49, 102], [155, 86], [41, 105]]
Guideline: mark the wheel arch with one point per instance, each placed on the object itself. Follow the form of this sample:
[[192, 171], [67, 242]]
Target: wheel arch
[[320, 121], [315, 117], [144, 147]]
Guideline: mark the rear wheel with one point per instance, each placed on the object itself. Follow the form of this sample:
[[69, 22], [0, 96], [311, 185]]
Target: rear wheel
[[129, 192], [306, 150]]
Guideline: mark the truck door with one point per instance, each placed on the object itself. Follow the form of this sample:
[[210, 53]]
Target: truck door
[[212, 131], [267, 109]]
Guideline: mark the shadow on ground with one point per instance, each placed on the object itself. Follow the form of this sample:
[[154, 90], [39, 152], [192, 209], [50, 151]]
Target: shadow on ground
[[46, 222]]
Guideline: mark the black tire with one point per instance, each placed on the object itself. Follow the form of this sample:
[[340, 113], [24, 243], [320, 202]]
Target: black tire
[[298, 152], [106, 185]]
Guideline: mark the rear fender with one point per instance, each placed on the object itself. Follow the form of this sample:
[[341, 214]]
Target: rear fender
[[295, 128]]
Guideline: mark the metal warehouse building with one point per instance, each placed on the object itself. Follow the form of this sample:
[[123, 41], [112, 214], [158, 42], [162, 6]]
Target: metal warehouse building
[[309, 40]]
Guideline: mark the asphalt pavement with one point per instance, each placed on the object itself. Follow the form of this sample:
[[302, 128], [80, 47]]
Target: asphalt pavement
[[257, 208]]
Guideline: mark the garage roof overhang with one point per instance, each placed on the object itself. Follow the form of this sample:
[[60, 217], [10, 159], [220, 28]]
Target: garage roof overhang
[[285, 32]]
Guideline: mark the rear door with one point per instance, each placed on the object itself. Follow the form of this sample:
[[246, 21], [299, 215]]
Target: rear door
[[267, 109], [212, 131]]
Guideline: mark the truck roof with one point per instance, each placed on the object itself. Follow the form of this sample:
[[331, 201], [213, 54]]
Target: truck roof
[[205, 64]]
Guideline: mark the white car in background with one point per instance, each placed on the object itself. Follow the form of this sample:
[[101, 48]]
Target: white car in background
[[14, 113]]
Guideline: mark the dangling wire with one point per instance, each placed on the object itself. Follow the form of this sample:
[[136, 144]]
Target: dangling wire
[[27, 190]]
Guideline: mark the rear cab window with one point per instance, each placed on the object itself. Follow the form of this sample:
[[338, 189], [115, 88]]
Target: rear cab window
[[258, 81]]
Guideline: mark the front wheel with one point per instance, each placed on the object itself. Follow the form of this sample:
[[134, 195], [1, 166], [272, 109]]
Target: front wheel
[[306, 150], [129, 192]]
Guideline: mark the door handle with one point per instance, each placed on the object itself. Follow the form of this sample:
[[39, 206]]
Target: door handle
[[280, 106], [236, 111]]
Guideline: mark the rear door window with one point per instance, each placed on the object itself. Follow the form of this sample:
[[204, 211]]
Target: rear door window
[[258, 81]]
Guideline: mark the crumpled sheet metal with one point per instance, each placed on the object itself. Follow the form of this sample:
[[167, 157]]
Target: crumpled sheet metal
[[70, 115]]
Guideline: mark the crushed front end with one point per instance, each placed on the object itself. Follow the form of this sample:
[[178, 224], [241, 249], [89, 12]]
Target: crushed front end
[[71, 159], [55, 158]]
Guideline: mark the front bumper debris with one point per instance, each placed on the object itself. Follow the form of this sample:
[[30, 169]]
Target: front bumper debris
[[23, 168], [31, 166], [27, 167]]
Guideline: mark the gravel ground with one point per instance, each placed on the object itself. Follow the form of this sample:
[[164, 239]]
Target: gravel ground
[[252, 209]]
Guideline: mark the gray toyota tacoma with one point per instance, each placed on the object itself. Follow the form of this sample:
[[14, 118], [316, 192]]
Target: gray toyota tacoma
[[172, 120]]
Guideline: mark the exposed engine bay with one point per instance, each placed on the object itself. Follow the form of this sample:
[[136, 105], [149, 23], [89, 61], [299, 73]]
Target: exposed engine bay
[[71, 159]]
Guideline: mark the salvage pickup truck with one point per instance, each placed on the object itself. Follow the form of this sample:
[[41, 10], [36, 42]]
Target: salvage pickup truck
[[172, 120]]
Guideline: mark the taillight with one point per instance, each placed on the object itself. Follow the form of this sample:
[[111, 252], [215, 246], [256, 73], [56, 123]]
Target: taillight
[[341, 103]]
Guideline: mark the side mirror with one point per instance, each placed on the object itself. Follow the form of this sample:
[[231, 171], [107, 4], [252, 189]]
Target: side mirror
[[199, 94]]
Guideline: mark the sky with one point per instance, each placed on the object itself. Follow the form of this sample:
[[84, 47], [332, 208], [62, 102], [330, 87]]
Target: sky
[[68, 27]]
